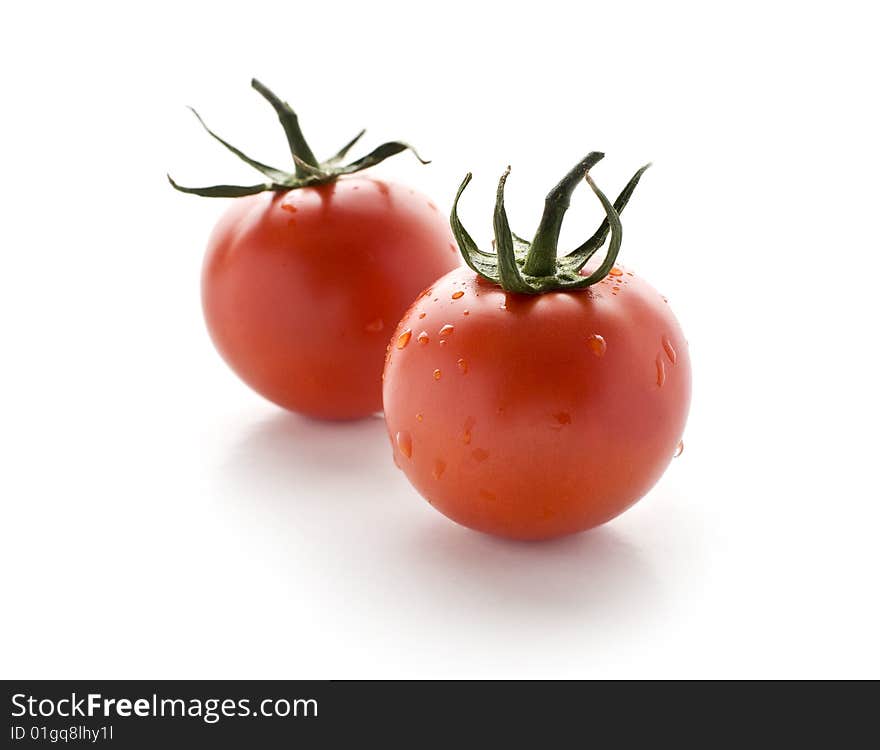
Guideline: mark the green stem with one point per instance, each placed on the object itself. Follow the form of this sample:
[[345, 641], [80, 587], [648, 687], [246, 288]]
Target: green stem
[[541, 259], [299, 148]]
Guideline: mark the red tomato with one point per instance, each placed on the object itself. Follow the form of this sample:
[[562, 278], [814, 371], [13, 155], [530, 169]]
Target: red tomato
[[308, 271], [535, 415], [301, 290]]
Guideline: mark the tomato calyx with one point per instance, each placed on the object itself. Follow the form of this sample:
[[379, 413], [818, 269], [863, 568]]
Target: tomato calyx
[[307, 169], [518, 265]]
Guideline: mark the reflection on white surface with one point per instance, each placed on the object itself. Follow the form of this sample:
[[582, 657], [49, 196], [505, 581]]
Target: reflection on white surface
[[328, 500], [596, 575]]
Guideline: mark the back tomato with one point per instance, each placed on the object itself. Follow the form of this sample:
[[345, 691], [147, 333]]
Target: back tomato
[[302, 289], [536, 416]]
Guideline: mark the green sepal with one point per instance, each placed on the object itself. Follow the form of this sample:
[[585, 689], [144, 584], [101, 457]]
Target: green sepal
[[578, 258], [520, 246], [541, 259], [276, 175], [485, 264], [616, 228], [377, 155], [507, 265], [221, 191], [340, 155], [509, 274], [307, 170], [299, 147]]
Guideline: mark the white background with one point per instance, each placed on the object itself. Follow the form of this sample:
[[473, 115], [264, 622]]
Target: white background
[[160, 520]]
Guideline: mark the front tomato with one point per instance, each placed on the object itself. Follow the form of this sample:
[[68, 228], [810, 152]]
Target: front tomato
[[535, 415]]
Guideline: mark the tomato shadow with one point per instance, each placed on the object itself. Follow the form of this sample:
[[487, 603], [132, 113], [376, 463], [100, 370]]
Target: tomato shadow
[[288, 453], [326, 497], [596, 575]]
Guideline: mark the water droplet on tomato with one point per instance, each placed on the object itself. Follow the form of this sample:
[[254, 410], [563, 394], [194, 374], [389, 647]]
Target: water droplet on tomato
[[404, 442], [289, 208], [421, 315], [615, 289], [615, 272], [480, 454], [679, 449], [597, 344], [661, 372], [457, 295], [439, 468], [466, 433], [447, 329], [669, 349], [436, 374], [463, 366], [422, 338], [404, 338], [466, 312], [375, 326], [420, 417]]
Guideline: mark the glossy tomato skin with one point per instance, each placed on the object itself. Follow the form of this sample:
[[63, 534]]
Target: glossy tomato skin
[[301, 290], [519, 420]]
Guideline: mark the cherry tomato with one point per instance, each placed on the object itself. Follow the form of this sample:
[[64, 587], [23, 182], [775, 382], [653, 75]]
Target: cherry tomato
[[301, 290], [308, 271], [535, 415]]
